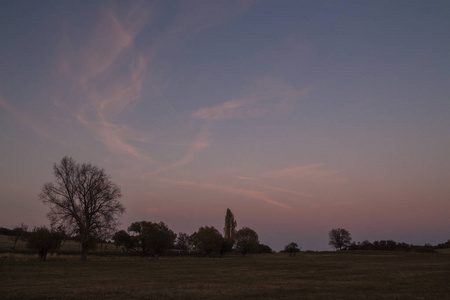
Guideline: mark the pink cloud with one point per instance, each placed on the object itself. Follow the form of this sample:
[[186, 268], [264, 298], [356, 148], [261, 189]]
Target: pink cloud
[[152, 210], [108, 40], [228, 110], [107, 94], [202, 141], [226, 189], [255, 182], [314, 172], [285, 190], [267, 96], [113, 138], [246, 178], [27, 120], [120, 95], [196, 18], [91, 68], [330, 205]]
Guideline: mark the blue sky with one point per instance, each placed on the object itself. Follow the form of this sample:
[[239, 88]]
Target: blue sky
[[299, 116]]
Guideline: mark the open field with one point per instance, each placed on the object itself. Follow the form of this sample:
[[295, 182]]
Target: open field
[[306, 276]]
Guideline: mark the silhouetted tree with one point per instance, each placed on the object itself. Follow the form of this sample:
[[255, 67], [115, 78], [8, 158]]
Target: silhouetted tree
[[160, 238], [366, 245], [229, 231], [246, 240], [339, 238], [104, 235], [83, 200], [292, 249], [207, 239], [183, 241], [138, 234], [44, 241], [152, 238], [123, 239], [383, 245], [6, 231], [264, 249], [19, 232]]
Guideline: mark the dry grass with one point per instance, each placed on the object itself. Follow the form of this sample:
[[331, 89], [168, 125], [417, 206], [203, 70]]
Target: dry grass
[[7, 243], [306, 276]]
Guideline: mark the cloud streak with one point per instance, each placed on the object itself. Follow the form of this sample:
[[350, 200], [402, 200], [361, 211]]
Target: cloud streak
[[107, 92], [246, 178], [202, 141], [313, 172], [97, 71], [255, 181], [27, 120], [278, 189], [268, 96], [226, 189]]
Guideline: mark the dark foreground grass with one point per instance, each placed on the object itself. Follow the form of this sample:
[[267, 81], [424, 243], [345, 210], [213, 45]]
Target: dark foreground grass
[[306, 276]]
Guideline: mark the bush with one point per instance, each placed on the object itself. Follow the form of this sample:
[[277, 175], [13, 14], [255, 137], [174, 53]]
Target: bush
[[44, 241]]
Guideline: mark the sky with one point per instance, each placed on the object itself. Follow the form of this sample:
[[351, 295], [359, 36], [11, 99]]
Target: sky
[[299, 116]]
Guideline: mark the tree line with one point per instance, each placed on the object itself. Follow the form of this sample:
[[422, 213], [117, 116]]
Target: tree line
[[341, 239], [153, 239], [85, 204], [150, 239]]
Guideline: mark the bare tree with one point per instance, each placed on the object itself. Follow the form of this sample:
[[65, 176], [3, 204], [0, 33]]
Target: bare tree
[[83, 200], [339, 238]]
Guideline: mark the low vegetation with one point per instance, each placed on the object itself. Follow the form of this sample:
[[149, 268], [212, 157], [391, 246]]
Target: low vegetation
[[321, 275]]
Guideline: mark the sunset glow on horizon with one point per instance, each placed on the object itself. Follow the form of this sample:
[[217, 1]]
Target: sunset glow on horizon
[[299, 116]]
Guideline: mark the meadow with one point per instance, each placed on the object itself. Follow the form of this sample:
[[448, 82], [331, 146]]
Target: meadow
[[321, 275]]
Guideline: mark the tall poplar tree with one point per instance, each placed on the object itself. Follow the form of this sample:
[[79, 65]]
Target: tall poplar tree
[[230, 229]]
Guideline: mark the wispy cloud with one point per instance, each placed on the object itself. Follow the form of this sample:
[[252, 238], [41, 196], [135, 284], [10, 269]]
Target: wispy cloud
[[122, 94], [113, 137], [313, 172], [268, 96], [226, 189], [110, 46], [288, 191], [108, 93], [255, 181], [27, 120], [228, 110], [108, 40], [196, 16], [202, 141], [246, 178]]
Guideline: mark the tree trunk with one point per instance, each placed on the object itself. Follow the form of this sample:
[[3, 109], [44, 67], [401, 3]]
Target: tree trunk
[[84, 250], [42, 255]]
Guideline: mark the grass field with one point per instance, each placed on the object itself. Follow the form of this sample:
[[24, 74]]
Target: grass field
[[305, 276]]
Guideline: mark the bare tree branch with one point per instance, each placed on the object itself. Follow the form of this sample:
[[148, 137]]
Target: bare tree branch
[[83, 200]]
